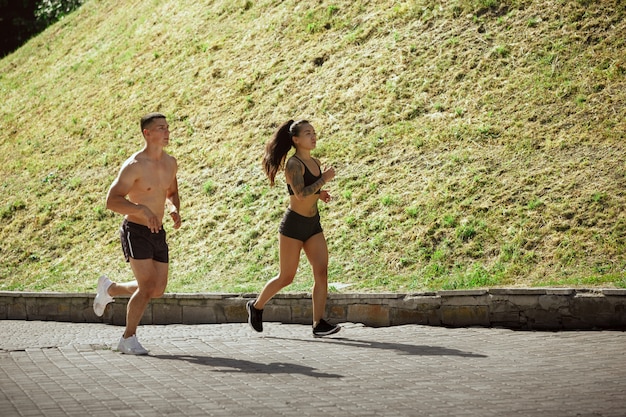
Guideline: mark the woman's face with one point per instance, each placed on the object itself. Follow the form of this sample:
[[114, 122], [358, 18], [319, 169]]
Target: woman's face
[[306, 138]]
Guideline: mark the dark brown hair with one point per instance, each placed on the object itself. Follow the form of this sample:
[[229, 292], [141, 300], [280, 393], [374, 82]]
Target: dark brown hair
[[277, 148], [148, 118]]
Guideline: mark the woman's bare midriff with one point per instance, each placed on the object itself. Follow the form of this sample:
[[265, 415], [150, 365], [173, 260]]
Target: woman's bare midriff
[[306, 207]]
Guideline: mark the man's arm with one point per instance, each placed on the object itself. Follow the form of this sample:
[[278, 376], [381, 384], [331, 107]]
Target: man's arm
[[173, 202]]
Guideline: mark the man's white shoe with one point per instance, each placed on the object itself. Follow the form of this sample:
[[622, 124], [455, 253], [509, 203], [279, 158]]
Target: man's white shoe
[[131, 346], [102, 295]]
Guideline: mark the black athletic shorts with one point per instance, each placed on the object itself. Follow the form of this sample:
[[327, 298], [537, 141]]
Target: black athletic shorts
[[138, 242], [299, 227]]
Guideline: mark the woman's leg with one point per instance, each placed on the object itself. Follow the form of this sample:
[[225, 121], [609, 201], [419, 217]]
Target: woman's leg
[[317, 253], [289, 257]]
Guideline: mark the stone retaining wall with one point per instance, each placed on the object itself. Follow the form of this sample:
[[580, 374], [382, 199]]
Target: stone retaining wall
[[523, 309]]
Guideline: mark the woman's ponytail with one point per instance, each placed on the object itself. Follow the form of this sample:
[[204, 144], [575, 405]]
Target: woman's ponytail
[[276, 150]]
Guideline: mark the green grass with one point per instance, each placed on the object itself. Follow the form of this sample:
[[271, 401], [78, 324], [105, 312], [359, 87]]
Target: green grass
[[477, 143]]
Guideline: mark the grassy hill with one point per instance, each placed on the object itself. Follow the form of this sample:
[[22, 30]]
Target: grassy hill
[[477, 143]]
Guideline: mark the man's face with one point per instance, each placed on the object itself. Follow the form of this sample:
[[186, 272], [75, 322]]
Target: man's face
[[158, 132]]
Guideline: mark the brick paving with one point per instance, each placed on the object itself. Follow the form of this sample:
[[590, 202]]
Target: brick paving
[[69, 369]]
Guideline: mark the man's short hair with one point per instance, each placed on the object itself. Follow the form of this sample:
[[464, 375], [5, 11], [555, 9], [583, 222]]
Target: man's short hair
[[148, 118]]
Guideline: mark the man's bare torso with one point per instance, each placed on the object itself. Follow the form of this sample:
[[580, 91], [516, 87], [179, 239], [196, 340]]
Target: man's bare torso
[[153, 179]]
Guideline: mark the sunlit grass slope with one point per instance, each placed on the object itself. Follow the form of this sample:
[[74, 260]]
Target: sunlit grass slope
[[477, 143]]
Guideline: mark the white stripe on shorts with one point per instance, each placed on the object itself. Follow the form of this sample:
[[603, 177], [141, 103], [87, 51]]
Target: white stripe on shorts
[[130, 247]]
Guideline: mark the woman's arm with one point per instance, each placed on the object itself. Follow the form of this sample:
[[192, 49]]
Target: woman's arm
[[294, 172]]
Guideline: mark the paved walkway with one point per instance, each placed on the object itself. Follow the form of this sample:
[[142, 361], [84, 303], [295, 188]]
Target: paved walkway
[[68, 369]]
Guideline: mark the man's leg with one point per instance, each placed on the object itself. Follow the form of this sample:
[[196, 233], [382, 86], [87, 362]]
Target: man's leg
[[151, 279], [126, 288]]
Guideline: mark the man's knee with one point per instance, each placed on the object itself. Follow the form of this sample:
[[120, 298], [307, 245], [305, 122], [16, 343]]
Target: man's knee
[[157, 292], [153, 288], [158, 289], [152, 292]]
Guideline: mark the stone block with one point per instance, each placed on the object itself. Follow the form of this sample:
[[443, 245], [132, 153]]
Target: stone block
[[483, 300], [522, 302], [17, 309], [51, 308], [596, 312], [167, 313], [553, 302], [500, 306], [235, 313], [464, 315], [338, 312], [517, 291], [537, 319], [276, 313], [619, 292], [81, 310], [64, 312], [413, 316], [195, 314], [79, 314], [115, 313], [33, 308], [506, 318], [369, 314], [560, 291], [301, 312], [418, 301], [462, 293], [194, 302]]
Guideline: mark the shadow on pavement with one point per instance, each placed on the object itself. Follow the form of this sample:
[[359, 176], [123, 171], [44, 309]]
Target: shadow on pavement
[[398, 347], [238, 365]]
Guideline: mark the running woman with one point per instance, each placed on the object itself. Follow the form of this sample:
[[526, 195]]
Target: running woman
[[300, 228]]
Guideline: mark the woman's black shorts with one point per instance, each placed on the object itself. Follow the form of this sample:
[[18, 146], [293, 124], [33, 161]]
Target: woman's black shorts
[[300, 227], [138, 242]]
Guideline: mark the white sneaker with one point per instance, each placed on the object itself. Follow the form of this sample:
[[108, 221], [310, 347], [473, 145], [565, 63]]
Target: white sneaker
[[102, 295], [131, 346]]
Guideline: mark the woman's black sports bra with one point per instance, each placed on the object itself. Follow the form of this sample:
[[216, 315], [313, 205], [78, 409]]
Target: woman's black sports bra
[[309, 178]]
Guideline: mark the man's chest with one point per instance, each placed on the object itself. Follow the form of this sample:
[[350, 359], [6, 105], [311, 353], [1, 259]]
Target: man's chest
[[154, 179]]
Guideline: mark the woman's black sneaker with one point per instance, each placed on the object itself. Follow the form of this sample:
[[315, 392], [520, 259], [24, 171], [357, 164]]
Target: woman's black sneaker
[[255, 317], [324, 328]]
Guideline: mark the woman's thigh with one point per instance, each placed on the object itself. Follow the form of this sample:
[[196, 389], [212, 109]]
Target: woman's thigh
[[316, 251]]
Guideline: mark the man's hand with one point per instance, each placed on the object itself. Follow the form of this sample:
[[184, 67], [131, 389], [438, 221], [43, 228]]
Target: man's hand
[[152, 221], [176, 219]]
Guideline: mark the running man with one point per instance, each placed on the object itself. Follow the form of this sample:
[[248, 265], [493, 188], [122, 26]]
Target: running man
[[145, 186]]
